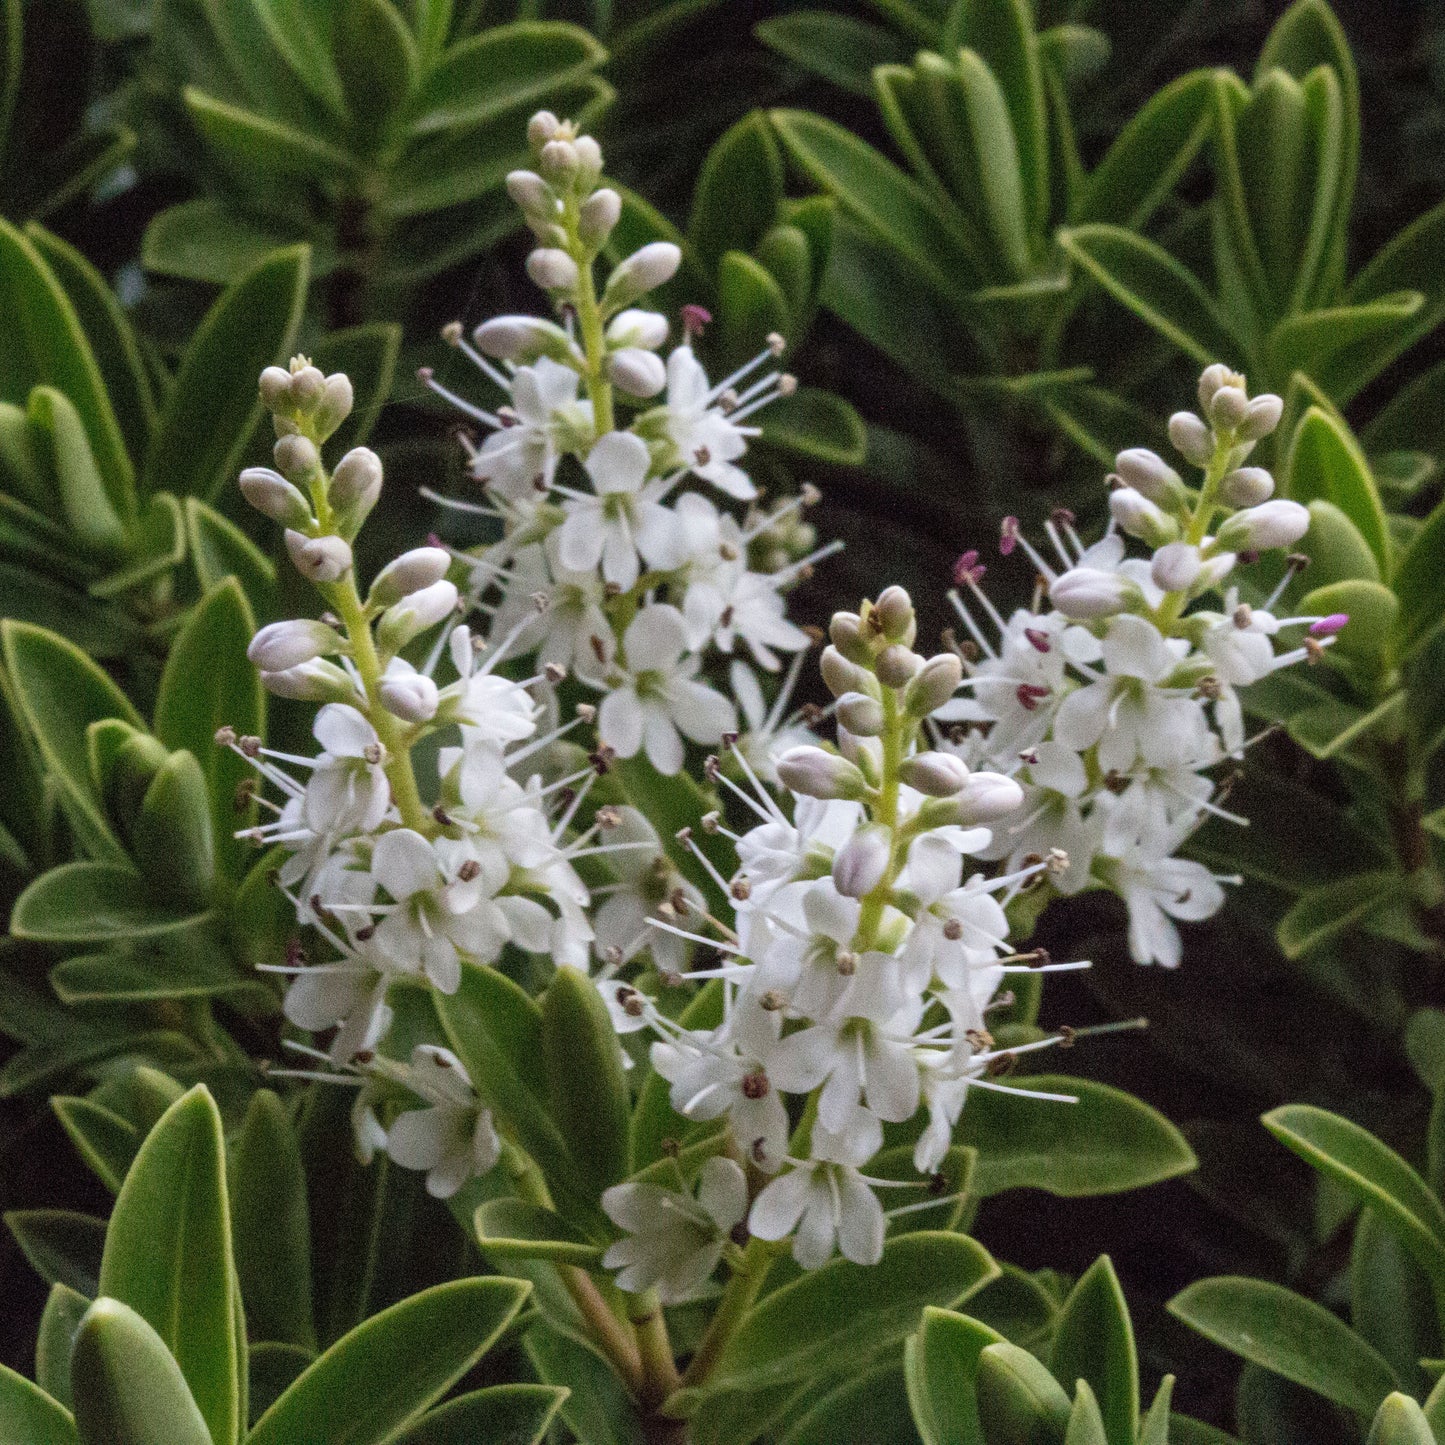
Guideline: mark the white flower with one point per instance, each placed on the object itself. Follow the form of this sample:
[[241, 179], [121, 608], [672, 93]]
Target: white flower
[[489, 708], [827, 1201], [1156, 889], [351, 994], [708, 442], [747, 607], [452, 1137], [416, 934], [622, 519], [523, 455], [658, 696], [675, 1240], [348, 791], [646, 882], [961, 927]]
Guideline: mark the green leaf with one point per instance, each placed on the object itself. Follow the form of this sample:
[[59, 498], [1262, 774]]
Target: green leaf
[[59, 1321], [1156, 1423], [63, 1247], [1392, 1306], [47, 347], [670, 805], [1289, 1335], [106, 1140], [598, 1409], [147, 975], [1336, 550], [172, 835], [248, 142], [1086, 1424], [501, 70], [1313, 340], [168, 1256], [818, 426], [213, 406], [1000, 192], [1417, 585], [85, 506], [1414, 260], [737, 192], [940, 1365], [840, 48], [1400, 1421], [387, 1371], [870, 1407], [1150, 155], [798, 1329], [586, 1079], [1330, 727], [1373, 610], [1372, 1173], [272, 1369], [84, 902], [500, 1415], [157, 545], [112, 339], [1148, 281], [270, 1225], [751, 305], [209, 683], [28, 1416], [377, 61], [1106, 1143], [1321, 914], [128, 1388], [1094, 1343], [513, 1229], [207, 240], [220, 549], [1324, 460], [1019, 1402]]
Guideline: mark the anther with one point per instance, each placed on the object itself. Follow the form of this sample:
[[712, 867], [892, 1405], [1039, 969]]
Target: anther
[[469, 870]]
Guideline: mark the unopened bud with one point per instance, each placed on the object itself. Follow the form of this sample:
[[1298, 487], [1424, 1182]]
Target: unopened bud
[[322, 559], [296, 457], [558, 161], [589, 160], [639, 373], [647, 329], [553, 270], [1175, 567], [1228, 407], [936, 682], [307, 386], [1246, 487], [939, 775], [541, 128], [275, 387], [894, 608], [1148, 473], [411, 696], [860, 864], [1192, 439], [280, 645], [846, 631], [983, 799], [654, 265], [1139, 517], [355, 486], [598, 214], [897, 665], [840, 675], [860, 714], [414, 614], [1276, 523], [815, 773], [1088, 592], [408, 573], [532, 194], [314, 681], [1261, 418], [337, 399], [1214, 571], [270, 493], [522, 339], [1212, 378]]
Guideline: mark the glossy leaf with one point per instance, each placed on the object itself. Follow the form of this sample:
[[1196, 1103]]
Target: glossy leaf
[[499, 1415], [1086, 1424], [514, 1229], [1094, 1342], [598, 1409], [1289, 1335], [1400, 1421], [219, 549], [1417, 585], [940, 1364], [1373, 610], [737, 192], [1336, 550], [1018, 1399], [87, 902], [1392, 1305], [1323, 913], [28, 1416], [86, 508], [387, 1371], [1324, 460], [168, 1255], [1106, 1143], [206, 240], [63, 1247], [868, 1407], [59, 1321], [840, 48], [818, 426], [244, 140]]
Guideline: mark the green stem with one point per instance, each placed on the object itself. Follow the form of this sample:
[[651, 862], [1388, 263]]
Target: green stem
[[590, 327], [885, 811], [1172, 608], [738, 1298], [659, 1369]]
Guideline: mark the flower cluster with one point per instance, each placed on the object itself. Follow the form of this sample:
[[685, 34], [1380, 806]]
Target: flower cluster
[[1115, 694], [858, 974], [604, 565], [394, 886]]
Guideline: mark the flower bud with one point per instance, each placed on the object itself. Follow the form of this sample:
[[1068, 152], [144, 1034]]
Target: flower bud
[[314, 681], [985, 798], [894, 609], [296, 457], [270, 493], [558, 161], [522, 339], [936, 682], [356, 482], [1192, 439], [275, 387], [553, 270], [1139, 517], [414, 614], [413, 570], [1276, 523], [841, 675], [636, 372], [589, 160], [1212, 378], [541, 128], [1228, 407], [1148, 473], [322, 559], [598, 214], [816, 773], [1246, 487], [280, 645], [939, 775], [532, 195], [307, 385], [860, 714], [337, 399], [647, 329], [1261, 418], [1086, 592], [862, 861], [1175, 567], [655, 264], [411, 696], [846, 631], [897, 665]]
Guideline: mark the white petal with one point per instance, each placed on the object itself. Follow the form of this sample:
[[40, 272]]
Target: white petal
[[661, 740], [343, 731], [860, 1222], [618, 462], [778, 1208], [619, 722], [419, 1137], [655, 638], [403, 863], [703, 713], [722, 1190]]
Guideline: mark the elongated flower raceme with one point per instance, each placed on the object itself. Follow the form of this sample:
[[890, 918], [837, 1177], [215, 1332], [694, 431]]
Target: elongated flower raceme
[[1114, 698]]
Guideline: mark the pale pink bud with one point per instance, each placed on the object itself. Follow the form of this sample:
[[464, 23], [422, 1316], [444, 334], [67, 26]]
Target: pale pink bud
[[275, 387], [296, 457], [654, 265], [1175, 567], [1147, 472], [307, 386], [841, 675], [337, 399], [1277, 523], [1086, 592], [314, 681], [411, 696], [939, 775], [895, 611], [598, 214], [1193, 440], [937, 681], [1228, 406], [1139, 517], [522, 339], [553, 270], [280, 645], [897, 665], [1262, 417], [532, 194], [413, 570], [322, 559], [1212, 378], [1246, 487], [270, 493], [414, 614], [985, 798], [815, 773], [639, 373], [860, 714], [541, 128], [862, 861], [633, 327]]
